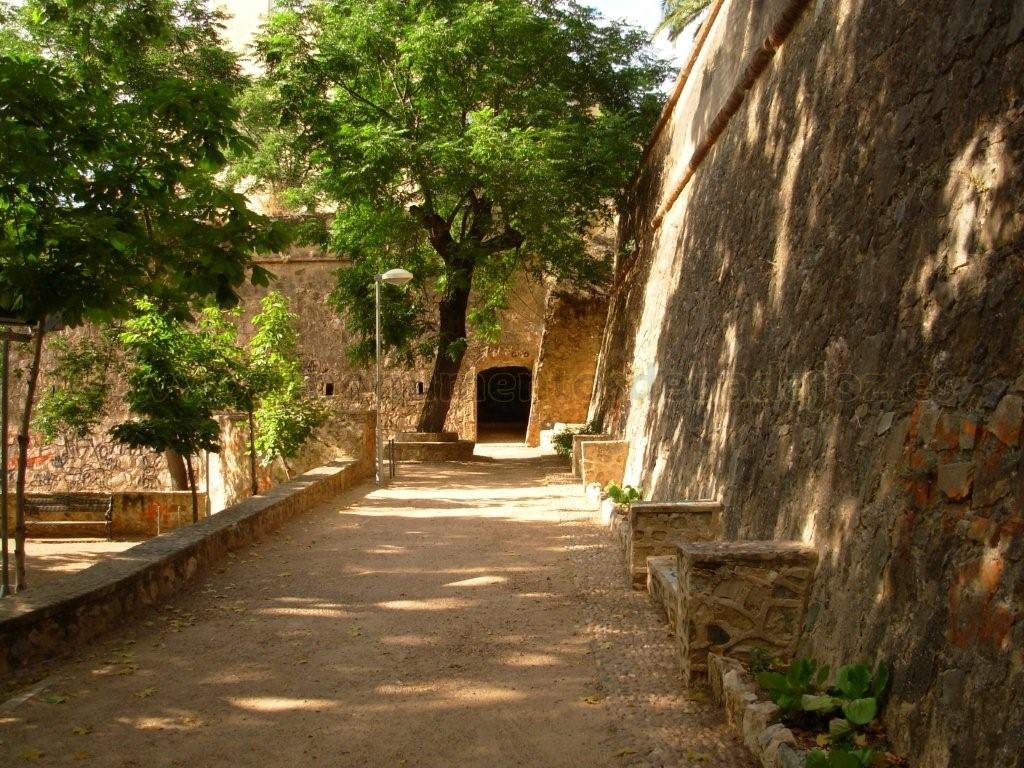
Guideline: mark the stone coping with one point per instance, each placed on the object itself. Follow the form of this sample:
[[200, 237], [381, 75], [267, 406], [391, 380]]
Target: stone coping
[[57, 617], [663, 585], [749, 551], [676, 507], [426, 437]]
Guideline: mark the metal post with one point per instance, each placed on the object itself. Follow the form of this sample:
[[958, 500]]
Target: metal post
[[5, 585], [378, 447]]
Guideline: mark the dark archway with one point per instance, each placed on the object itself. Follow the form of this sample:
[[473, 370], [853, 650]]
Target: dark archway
[[503, 403]]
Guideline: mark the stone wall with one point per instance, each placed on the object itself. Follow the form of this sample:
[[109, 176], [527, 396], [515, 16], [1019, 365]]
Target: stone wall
[[820, 322], [564, 378]]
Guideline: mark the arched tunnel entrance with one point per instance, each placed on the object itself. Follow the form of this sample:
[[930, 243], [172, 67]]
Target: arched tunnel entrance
[[503, 403]]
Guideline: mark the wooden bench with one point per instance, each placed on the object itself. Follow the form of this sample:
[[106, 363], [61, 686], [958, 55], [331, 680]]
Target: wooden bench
[[655, 528], [61, 513]]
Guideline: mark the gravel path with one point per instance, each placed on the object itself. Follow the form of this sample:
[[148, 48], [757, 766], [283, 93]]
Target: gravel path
[[467, 615]]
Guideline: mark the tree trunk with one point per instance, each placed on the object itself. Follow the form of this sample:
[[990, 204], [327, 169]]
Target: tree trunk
[[5, 579], [26, 424], [252, 454], [192, 487], [176, 468], [451, 349]]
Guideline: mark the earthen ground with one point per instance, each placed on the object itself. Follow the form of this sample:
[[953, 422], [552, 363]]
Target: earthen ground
[[466, 615], [49, 559]]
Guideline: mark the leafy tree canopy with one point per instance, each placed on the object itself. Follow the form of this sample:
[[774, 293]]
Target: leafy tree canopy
[[677, 15], [115, 118], [460, 139]]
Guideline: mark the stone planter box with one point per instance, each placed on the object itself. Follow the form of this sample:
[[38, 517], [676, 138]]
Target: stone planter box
[[435, 451], [655, 528], [577, 450], [735, 596], [756, 719], [602, 461]]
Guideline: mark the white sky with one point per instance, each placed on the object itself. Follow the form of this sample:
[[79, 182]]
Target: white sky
[[247, 15]]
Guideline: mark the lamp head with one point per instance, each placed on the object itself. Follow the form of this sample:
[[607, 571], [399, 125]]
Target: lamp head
[[396, 277]]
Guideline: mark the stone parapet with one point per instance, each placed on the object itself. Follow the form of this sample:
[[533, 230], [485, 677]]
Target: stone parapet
[[654, 528], [603, 461], [735, 596], [57, 618]]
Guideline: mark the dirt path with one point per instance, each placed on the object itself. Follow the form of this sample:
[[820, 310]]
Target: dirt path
[[442, 621]]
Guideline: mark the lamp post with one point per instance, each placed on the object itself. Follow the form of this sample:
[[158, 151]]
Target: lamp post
[[391, 277]]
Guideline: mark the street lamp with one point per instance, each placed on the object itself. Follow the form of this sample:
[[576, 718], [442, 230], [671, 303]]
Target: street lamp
[[391, 277]]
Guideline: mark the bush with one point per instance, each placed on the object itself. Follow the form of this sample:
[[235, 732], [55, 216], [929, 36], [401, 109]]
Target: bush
[[562, 441], [625, 495]]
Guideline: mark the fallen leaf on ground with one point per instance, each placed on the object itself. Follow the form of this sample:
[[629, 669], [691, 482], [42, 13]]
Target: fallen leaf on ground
[[145, 693], [81, 730], [625, 752], [596, 698], [31, 754], [55, 699]]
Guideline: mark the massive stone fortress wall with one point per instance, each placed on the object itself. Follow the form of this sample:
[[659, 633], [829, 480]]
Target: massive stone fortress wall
[[824, 327]]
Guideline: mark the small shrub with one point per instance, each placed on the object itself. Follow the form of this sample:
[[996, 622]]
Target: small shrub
[[787, 688], [842, 758], [562, 441], [624, 495]]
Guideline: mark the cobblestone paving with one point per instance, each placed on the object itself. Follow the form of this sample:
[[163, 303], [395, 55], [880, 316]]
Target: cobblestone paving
[[658, 721]]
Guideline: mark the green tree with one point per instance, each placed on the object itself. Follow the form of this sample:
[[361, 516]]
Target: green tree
[[462, 139], [179, 375], [285, 417], [677, 15], [116, 119], [178, 378]]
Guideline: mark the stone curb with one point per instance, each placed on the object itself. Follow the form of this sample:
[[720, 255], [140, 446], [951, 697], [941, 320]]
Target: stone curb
[[58, 617], [756, 719]]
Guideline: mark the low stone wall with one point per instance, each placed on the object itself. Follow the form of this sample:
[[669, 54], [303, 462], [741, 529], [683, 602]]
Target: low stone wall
[[447, 450], [655, 528], [755, 718], [735, 596], [603, 461], [136, 514], [58, 617]]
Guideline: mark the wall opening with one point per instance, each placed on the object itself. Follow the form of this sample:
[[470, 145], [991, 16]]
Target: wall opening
[[503, 403]]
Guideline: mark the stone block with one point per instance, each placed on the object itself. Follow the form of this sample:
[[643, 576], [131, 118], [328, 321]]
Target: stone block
[[577, 450], [735, 596], [655, 528], [603, 461]]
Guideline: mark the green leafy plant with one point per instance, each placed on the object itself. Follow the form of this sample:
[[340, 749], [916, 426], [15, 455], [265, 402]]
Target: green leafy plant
[[562, 441], [763, 660], [843, 758], [788, 687], [623, 494], [679, 14], [856, 692]]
